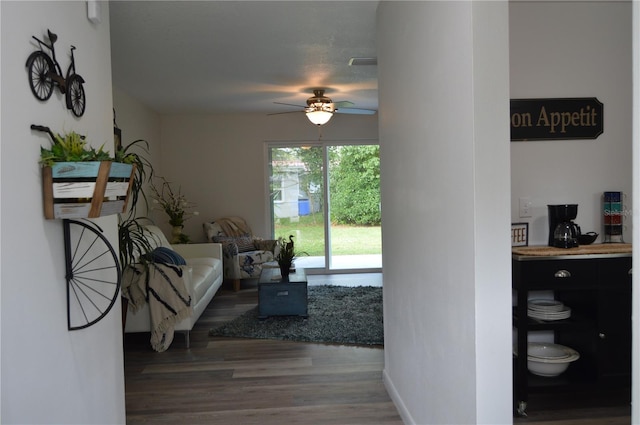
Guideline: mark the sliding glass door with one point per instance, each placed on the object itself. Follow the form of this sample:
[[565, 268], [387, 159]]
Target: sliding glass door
[[327, 196]]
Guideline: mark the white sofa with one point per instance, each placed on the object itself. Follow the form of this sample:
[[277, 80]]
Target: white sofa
[[204, 275]]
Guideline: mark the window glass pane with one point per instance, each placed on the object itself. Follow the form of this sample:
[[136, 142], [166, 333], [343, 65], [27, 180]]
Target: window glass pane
[[299, 206], [354, 193], [298, 201]]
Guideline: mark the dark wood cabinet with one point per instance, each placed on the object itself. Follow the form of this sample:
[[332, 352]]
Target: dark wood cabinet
[[597, 288]]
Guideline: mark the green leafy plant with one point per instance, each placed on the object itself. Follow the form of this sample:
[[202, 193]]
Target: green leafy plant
[[286, 251], [131, 238], [132, 242], [71, 147], [143, 173], [173, 203]]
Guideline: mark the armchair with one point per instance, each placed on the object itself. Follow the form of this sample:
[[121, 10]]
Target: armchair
[[245, 255]]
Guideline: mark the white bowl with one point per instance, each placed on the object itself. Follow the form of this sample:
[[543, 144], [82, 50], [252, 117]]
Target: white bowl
[[549, 351], [546, 369], [545, 359]]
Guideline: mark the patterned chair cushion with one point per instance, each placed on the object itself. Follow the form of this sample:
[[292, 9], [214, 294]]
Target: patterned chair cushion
[[251, 262]]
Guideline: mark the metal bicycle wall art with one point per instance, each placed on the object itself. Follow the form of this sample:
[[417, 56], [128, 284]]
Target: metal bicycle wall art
[[45, 73], [92, 268], [92, 272]]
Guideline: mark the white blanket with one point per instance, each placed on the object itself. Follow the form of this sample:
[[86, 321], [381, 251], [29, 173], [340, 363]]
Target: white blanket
[[164, 288]]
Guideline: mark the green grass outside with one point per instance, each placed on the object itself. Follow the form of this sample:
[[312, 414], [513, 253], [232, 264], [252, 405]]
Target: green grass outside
[[345, 240]]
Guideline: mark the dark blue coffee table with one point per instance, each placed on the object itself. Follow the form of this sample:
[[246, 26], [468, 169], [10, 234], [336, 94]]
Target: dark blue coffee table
[[282, 297]]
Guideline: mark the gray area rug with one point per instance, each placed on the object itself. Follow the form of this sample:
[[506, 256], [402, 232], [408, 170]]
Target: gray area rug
[[337, 314]]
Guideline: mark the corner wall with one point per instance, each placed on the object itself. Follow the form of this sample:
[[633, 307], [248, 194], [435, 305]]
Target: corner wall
[[48, 374], [443, 77]]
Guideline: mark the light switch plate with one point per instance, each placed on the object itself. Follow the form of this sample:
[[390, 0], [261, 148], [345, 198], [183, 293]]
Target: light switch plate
[[525, 207]]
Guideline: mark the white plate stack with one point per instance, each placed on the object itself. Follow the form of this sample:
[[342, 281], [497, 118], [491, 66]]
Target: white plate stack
[[547, 310]]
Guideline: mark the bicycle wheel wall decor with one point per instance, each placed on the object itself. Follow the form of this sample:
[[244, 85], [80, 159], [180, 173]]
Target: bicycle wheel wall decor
[[40, 82], [92, 274]]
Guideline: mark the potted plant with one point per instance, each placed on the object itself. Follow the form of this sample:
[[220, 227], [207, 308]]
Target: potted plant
[[131, 238], [80, 181], [176, 206], [286, 254], [69, 162], [69, 153], [132, 242]]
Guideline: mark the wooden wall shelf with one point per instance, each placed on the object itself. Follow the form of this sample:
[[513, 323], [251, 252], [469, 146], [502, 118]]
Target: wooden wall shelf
[[86, 189]]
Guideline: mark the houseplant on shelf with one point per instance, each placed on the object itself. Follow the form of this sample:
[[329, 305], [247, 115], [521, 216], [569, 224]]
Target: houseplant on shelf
[[70, 156], [286, 254], [80, 181], [176, 206], [70, 147]]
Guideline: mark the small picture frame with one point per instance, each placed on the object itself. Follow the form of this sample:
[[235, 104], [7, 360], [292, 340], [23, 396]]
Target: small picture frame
[[519, 234], [117, 138]]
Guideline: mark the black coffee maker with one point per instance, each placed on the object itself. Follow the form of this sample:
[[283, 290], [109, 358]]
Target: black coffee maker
[[563, 232]]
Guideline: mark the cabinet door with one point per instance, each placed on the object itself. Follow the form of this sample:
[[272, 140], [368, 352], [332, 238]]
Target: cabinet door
[[614, 321]]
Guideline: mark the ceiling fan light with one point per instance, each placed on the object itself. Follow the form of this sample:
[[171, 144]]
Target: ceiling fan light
[[319, 117]]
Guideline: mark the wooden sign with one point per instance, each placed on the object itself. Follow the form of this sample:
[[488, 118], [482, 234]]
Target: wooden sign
[[519, 234], [556, 119]]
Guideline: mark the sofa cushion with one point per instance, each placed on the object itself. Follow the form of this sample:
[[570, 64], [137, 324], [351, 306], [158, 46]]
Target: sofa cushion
[[155, 236], [165, 255], [201, 271]]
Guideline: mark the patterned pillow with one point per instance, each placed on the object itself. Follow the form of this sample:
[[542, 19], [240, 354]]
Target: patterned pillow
[[165, 256], [265, 245], [244, 243]]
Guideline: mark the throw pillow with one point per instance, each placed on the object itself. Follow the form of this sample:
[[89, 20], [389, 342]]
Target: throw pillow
[[244, 243], [265, 245], [165, 255]]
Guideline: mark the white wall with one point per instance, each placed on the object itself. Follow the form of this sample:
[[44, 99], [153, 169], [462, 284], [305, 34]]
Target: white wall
[[443, 76], [572, 49], [220, 160], [48, 374]]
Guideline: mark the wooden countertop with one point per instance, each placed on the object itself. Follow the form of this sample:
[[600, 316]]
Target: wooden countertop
[[549, 251]]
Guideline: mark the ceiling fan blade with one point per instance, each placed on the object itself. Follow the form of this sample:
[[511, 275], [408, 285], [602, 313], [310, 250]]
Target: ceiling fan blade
[[343, 104], [287, 112], [290, 104], [356, 111]]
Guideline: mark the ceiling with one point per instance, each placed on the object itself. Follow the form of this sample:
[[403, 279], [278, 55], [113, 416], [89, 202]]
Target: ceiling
[[241, 56]]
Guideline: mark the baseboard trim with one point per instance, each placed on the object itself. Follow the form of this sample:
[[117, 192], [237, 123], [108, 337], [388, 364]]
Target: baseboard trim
[[397, 400]]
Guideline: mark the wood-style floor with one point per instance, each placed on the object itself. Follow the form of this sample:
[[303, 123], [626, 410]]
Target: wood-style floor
[[245, 382], [262, 382]]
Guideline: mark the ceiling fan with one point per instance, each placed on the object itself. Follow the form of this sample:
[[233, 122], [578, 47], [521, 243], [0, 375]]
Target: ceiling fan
[[320, 108]]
